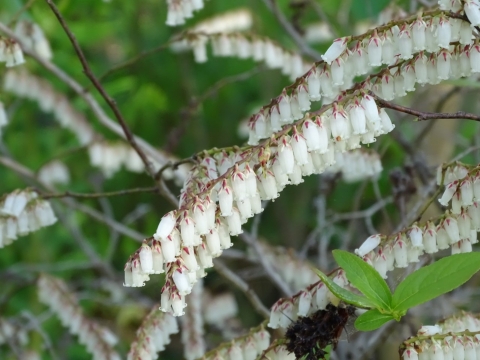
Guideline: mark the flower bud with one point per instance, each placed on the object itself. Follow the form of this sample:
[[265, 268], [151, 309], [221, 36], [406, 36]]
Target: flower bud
[[335, 50], [368, 245]]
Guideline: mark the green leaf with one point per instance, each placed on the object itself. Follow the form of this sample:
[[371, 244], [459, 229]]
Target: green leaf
[[345, 295], [371, 320], [434, 280], [365, 278]]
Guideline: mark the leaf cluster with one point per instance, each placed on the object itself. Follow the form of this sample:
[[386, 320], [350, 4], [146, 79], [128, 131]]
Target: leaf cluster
[[417, 288]]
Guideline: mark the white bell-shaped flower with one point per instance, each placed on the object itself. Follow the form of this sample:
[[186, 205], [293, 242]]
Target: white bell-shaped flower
[[388, 87], [475, 58], [168, 250], [430, 238], [303, 98], [387, 124], [418, 34], [335, 50], [358, 118], [225, 199], [304, 302], [234, 222], [157, 257], [444, 32], [299, 147], [213, 243], [284, 108], [275, 120], [188, 256], [146, 259], [339, 123], [360, 60], [200, 217], [312, 137], [389, 49], [323, 134], [465, 33], [416, 236], [450, 225], [285, 155], [166, 225], [432, 74], [374, 50], [404, 43], [204, 256], [410, 353], [472, 10], [224, 234], [466, 190], [368, 245], [313, 83], [187, 229], [337, 71], [181, 280], [443, 65], [421, 69], [400, 252]]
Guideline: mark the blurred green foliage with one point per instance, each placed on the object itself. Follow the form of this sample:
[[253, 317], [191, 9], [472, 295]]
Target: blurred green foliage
[[153, 95]]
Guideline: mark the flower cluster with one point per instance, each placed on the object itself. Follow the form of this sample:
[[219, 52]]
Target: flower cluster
[[22, 212], [226, 186], [219, 308], [10, 52], [223, 191], [297, 273], [246, 347], [457, 228], [34, 88], [457, 337], [414, 50], [98, 340], [227, 22], [109, 156], [10, 331], [192, 325], [179, 10], [357, 165], [225, 44], [313, 298], [318, 32], [54, 172], [152, 335], [33, 38]]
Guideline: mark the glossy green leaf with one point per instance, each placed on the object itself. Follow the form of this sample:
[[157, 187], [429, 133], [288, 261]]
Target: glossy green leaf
[[365, 278], [371, 320], [345, 295], [434, 280]]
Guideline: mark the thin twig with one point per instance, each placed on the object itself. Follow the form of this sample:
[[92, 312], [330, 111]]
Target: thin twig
[[99, 195], [27, 173], [111, 103], [422, 115], [36, 325], [228, 274], [135, 59], [267, 266], [368, 212], [297, 38]]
